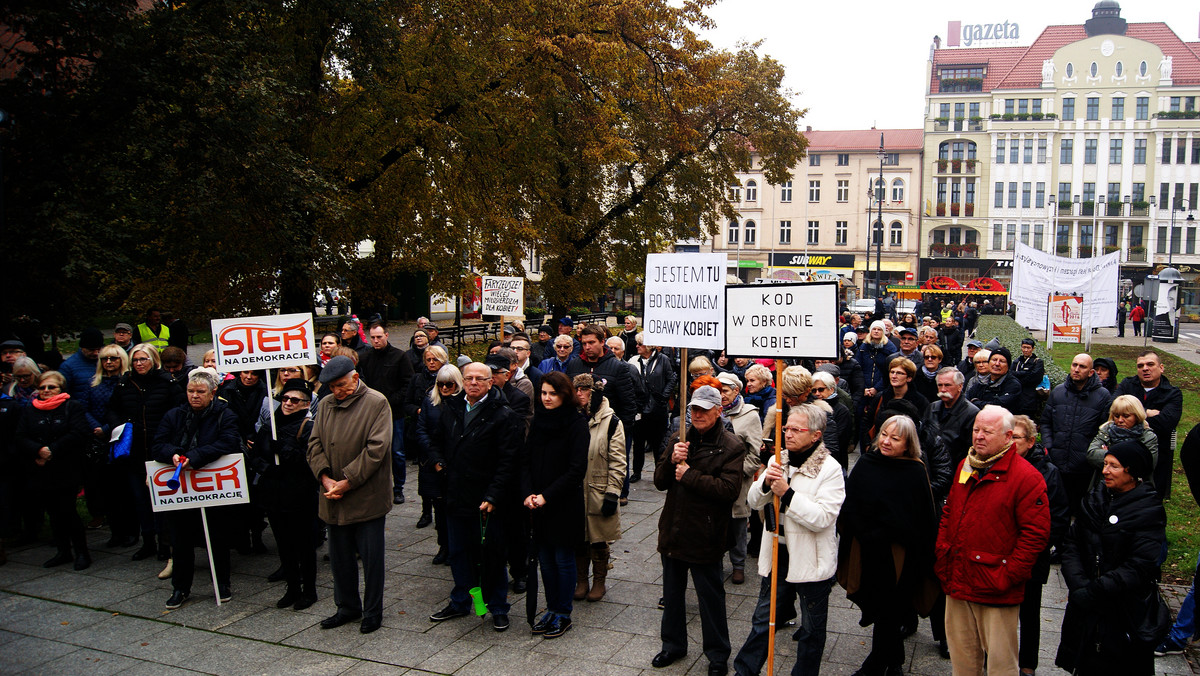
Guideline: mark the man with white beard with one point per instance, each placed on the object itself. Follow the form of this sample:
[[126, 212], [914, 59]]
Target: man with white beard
[[951, 417]]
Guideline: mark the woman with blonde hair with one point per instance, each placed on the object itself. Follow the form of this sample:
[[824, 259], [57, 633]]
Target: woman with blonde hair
[[1126, 422], [874, 354]]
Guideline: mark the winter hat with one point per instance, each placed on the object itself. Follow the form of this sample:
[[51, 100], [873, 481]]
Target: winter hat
[[335, 369], [1133, 456], [731, 380], [296, 385], [1003, 352], [850, 336], [91, 338]]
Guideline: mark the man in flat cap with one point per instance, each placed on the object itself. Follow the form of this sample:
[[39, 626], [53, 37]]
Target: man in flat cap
[[349, 452]]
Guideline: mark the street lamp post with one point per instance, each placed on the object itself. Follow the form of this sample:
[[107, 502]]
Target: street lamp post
[[880, 191]]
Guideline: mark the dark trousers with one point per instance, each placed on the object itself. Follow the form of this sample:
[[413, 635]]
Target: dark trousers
[[810, 637], [296, 541], [187, 533], [516, 539], [137, 503], [399, 468], [629, 441], [887, 644], [1076, 486], [477, 564], [1030, 617], [937, 618], [558, 577], [710, 591], [648, 434], [65, 524], [364, 539]]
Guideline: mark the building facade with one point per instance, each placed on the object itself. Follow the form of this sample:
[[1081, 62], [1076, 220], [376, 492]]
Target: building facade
[[816, 226], [1084, 143]]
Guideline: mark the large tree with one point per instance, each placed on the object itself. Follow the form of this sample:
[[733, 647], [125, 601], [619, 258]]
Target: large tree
[[227, 156]]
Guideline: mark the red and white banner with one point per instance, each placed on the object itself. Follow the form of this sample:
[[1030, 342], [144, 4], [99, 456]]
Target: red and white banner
[[1066, 318], [220, 482], [270, 342]]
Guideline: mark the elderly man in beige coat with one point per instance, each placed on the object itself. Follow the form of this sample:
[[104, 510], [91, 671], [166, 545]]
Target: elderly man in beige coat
[[349, 452]]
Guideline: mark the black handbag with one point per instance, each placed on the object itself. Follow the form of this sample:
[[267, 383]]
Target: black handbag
[[1149, 621]]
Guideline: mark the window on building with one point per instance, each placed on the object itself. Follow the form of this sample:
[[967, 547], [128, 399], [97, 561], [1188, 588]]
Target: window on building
[[1014, 152], [1093, 106], [955, 192], [1000, 150], [752, 191], [1038, 235], [941, 190], [785, 191], [1023, 106], [1118, 108], [841, 232], [1041, 156], [843, 159], [1035, 106], [1138, 192], [732, 230], [971, 150], [1012, 195], [1142, 111], [750, 231], [1175, 104], [1066, 153], [898, 190], [974, 107], [1164, 194], [957, 152], [1068, 106], [897, 234], [1027, 157], [877, 234], [1181, 151], [1062, 236], [1085, 235], [1026, 194], [1112, 235], [1120, 69], [1089, 192], [1193, 193], [735, 193], [1161, 236], [891, 159], [944, 150], [880, 190], [1136, 233], [1139, 151], [961, 79], [814, 232], [1025, 234], [1010, 106], [1143, 68], [1196, 150], [944, 110], [1064, 192], [814, 191], [1089, 150], [785, 232], [814, 160], [1189, 103], [843, 190], [998, 202], [1070, 70], [1115, 148], [1094, 69], [1039, 196], [1114, 192], [1166, 150], [970, 193]]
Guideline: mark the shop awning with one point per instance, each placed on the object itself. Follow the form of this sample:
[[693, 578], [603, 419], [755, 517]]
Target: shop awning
[[913, 291]]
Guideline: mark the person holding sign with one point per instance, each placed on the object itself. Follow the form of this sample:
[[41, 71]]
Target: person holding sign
[[349, 452], [190, 437]]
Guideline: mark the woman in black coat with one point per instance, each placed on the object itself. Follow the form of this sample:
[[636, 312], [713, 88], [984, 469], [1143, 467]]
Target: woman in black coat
[[1110, 564], [53, 437], [431, 479], [140, 399], [554, 463]]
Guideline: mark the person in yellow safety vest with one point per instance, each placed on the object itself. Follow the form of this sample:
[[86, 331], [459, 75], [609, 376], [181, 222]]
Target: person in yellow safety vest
[[152, 330]]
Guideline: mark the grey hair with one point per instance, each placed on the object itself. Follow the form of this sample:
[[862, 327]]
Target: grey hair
[[1006, 417], [826, 379], [563, 339], [205, 377], [814, 417], [27, 363], [954, 373]]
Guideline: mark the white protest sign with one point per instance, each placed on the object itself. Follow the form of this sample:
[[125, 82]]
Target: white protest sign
[[270, 342], [503, 296], [1037, 275], [685, 300], [220, 482], [782, 320]]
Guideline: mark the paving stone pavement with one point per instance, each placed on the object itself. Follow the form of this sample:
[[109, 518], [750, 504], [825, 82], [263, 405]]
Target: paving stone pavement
[[110, 619]]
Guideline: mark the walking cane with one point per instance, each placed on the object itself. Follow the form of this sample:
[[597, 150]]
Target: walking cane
[[774, 507]]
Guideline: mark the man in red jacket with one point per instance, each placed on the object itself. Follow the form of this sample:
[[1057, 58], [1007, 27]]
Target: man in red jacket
[[996, 522]]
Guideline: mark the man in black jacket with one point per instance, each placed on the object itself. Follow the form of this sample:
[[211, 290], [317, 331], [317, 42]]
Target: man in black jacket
[[1028, 370], [661, 381], [1073, 413], [385, 368], [1164, 407], [595, 359], [951, 417], [476, 444]]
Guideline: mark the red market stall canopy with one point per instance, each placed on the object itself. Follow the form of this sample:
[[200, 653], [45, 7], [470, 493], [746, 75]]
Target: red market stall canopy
[[913, 292]]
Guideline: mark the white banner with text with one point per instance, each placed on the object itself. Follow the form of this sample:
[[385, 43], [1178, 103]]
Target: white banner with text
[[1037, 275], [685, 300]]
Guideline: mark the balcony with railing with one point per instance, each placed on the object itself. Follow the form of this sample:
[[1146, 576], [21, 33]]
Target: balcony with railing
[[956, 166], [940, 250]]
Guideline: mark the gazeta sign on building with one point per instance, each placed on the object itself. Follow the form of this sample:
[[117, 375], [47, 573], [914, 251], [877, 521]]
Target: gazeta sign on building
[[963, 34]]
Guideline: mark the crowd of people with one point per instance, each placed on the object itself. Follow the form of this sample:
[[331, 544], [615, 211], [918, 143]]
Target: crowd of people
[[924, 481]]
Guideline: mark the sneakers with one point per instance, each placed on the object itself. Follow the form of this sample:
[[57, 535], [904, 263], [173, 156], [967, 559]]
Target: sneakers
[[500, 623], [558, 627], [223, 593], [1169, 647], [177, 598], [447, 613]]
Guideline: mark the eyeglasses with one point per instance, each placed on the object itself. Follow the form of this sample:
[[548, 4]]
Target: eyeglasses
[[819, 390], [477, 379], [502, 372], [521, 349], [110, 359], [289, 370], [293, 400], [930, 357], [445, 384], [1017, 438], [49, 387], [795, 430], [140, 360]]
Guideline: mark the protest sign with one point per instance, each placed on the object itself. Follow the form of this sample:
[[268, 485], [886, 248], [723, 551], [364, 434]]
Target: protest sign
[[782, 320], [685, 300], [1066, 318], [220, 482], [503, 296], [270, 342], [1037, 274]]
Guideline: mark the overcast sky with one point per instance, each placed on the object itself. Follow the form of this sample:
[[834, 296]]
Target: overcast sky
[[861, 64]]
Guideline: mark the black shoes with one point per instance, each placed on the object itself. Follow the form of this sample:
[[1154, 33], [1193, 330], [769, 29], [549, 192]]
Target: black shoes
[[558, 627], [398, 499], [338, 619], [177, 598], [305, 600], [370, 624], [718, 669], [665, 659], [500, 622], [441, 557], [58, 560], [83, 561], [289, 598], [518, 585], [635, 477], [543, 624], [146, 551], [424, 521], [223, 592], [277, 576], [447, 613], [164, 551], [943, 649]]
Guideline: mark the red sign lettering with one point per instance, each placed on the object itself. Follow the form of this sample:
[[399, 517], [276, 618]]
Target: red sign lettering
[[263, 339], [203, 480]]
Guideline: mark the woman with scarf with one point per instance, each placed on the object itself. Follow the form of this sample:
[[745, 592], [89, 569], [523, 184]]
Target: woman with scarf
[[329, 342], [141, 399], [1110, 564], [759, 392], [998, 387], [1126, 422], [416, 349], [925, 382], [52, 437], [287, 490], [425, 376], [1106, 373], [23, 387], [874, 355], [887, 527], [431, 479], [601, 487], [552, 470], [900, 375], [192, 436]]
